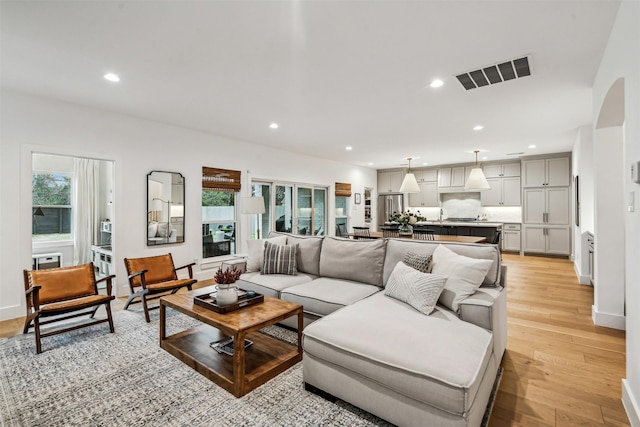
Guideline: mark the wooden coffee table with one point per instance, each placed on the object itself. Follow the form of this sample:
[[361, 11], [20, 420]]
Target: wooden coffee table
[[247, 368]]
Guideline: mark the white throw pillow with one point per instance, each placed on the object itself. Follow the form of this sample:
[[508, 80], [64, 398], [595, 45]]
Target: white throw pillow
[[464, 275], [255, 251], [419, 290], [152, 229]]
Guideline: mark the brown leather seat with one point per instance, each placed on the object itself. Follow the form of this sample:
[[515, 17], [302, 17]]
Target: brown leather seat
[[59, 291], [154, 276]]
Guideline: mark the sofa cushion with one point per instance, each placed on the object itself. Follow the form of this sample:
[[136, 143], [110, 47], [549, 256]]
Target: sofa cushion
[[419, 290], [271, 284], [255, 251], [397, 249], [325, 295], [279, 259], [381, 338], [308, 258], [357, 260], [464, 275]]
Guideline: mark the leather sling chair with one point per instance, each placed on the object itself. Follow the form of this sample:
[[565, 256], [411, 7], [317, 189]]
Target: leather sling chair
[[153, 277], [64, 293]]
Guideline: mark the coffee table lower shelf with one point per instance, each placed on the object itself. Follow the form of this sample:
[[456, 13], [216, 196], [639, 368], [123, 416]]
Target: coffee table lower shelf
[[264, 360]]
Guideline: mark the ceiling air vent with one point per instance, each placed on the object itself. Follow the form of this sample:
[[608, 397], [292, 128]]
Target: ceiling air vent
[[497, 73]]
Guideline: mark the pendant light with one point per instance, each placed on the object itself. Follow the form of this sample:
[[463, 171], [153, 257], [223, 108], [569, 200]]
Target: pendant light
[[477, 180], [409, 184]]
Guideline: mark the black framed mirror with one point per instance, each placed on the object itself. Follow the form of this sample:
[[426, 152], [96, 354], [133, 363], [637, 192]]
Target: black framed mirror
[[165, 208]]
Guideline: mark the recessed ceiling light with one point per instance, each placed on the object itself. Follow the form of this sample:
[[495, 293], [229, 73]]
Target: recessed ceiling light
[[370, 163], [274, 126], [478, 127], [532, 146], [436, 83], [425, 164], [485, 158], [348, 148], [112, 77]]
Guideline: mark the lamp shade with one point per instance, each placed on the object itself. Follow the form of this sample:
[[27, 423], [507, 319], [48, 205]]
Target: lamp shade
[[253, 205], [156, 205], [477, 180], [409, 184]]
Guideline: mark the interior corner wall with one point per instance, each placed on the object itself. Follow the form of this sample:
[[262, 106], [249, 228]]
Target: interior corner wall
[[582, 167], [136, 147], [621, 60]]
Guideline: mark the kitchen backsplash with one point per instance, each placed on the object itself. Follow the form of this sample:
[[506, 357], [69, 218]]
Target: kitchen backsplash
[[468, 205]]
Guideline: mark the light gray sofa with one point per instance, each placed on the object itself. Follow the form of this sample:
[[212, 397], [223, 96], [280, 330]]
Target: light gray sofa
[[380, 354]]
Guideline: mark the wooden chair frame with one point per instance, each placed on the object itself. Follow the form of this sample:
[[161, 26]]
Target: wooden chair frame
[[361, 233], [60, 308], [390, 231], [140, 279], [423, 234]]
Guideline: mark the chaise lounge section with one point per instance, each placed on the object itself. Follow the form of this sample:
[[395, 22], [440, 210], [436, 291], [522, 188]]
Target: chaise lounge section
[[380, 353]]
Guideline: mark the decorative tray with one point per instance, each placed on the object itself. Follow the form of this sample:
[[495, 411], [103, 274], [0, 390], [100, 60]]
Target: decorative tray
[[209, 302]]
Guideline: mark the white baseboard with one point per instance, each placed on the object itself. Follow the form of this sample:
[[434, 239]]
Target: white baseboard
[[630, 403], [582, 279], [608, 320], [12, 312]]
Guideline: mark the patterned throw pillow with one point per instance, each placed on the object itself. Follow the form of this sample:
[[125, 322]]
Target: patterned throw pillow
[[279, 259], [420, 290], [419, 262]]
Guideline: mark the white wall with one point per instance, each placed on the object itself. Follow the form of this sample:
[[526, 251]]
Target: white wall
[[30, 124], [621, 59]]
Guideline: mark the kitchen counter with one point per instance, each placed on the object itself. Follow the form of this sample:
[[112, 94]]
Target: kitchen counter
[[461, 223]]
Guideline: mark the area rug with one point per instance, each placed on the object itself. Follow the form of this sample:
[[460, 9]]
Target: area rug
[[90, 377]]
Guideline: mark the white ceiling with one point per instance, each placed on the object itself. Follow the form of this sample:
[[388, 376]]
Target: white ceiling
[[331, 73]]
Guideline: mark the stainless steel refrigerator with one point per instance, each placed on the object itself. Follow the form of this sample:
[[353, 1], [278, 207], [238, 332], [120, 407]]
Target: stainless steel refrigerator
[[388, 204]]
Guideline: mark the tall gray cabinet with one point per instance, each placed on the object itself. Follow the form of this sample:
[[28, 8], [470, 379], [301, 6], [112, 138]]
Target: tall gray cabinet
[[546, 205]]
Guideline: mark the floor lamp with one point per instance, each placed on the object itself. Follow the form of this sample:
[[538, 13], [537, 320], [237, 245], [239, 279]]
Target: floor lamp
[[253, 205]]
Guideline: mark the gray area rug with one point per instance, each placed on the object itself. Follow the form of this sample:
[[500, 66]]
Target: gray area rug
[[91, 377]]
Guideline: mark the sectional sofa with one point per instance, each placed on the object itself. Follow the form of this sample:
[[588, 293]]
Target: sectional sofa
[[379, 352]]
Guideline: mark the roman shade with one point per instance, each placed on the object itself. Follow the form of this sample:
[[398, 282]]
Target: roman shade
[[343, 189], [215, 179]]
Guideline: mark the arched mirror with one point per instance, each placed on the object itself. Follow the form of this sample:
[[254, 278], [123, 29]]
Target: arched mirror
[[165, 208]]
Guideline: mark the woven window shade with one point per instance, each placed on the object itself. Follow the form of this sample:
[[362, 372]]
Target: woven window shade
[[343, 189], [215, 179]]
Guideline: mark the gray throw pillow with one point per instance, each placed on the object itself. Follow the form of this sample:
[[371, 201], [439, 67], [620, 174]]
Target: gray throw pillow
[[420, 290], [279, 259], [419, 262]]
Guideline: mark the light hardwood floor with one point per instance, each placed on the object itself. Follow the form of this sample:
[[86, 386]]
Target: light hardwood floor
[[559, 369]]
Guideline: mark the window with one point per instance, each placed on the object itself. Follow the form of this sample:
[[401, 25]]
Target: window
[[294, 208], [219, 193], [51, 200], [342, 215], [263, 220]]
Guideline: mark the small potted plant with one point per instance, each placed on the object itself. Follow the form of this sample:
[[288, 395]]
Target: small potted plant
[[406, 220], [226, 290]]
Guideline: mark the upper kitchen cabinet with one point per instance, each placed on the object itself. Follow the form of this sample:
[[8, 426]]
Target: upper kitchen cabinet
[[426, 175], [389, 182], [500, 170], [451, 177], [503, 192], [551, 172], [427, 197]]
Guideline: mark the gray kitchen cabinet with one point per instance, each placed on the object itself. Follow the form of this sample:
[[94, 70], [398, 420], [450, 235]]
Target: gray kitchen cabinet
[[511, 237], [503, 192], [545, 239], [452, 177], [499, 170], [546, 206], [426, 175], [390, 182], [551, 172], [427, 197]]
